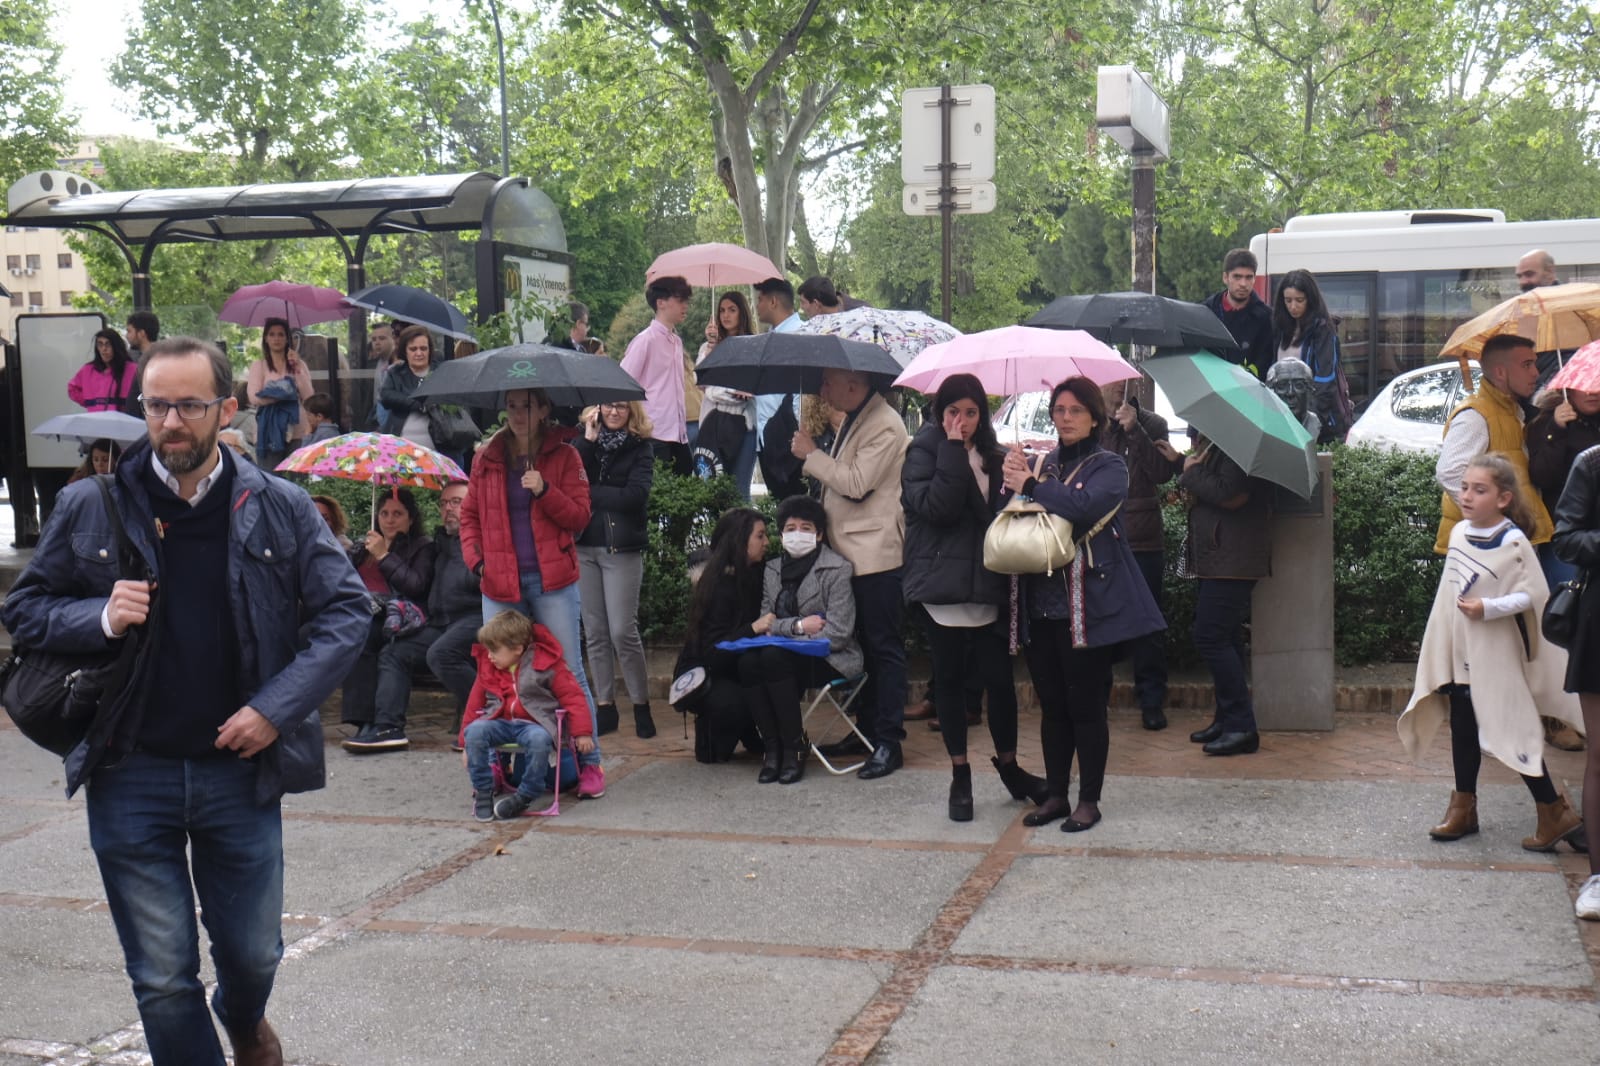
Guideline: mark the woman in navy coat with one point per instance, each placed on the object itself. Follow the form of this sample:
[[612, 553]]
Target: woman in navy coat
[[1074, 621]]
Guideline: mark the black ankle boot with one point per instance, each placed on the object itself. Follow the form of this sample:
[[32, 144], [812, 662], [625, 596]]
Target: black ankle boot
[[792, 767], [605, 719], [644, 727], [770, 760], [1021, 784], [961, 793]]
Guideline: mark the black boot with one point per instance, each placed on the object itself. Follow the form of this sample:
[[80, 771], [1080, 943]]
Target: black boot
[[644, 727], [770, 762], [1021, 784], [961, 793], [605, 719], [792, 767]]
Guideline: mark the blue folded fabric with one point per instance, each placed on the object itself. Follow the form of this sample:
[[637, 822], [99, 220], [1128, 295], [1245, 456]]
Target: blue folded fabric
[[817, 646]]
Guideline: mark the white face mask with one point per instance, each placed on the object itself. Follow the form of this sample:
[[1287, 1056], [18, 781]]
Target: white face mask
[[798, 542]]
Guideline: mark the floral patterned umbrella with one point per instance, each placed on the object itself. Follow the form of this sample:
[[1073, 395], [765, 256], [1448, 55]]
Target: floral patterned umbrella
[[377, 458], [901, 333]]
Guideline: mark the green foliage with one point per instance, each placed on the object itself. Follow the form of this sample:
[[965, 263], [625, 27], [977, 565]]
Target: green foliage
[[683, 511], [34, 125], [1385, 518], [356, 498]]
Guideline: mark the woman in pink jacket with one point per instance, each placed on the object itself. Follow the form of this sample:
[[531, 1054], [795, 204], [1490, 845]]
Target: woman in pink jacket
[[103, 382]]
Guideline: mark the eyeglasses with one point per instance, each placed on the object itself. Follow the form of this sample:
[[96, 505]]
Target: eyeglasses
[[613, 407], [1064, 412], [188, 410]]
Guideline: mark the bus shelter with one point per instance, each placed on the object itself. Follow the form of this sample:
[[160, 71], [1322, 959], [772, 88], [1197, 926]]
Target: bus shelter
[[521, 250]]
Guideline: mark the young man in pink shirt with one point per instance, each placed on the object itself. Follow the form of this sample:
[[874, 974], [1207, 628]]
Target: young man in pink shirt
[[655, 360]]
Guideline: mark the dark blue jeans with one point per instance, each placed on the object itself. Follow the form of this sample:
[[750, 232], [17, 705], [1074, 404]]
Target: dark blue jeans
[[145, 815], [1149, 652], [1220, 611], [881, 710]]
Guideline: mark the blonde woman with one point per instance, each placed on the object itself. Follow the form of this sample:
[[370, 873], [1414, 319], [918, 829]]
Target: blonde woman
[[621, 465]]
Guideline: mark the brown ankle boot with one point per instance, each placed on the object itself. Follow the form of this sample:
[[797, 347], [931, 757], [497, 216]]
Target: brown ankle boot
[[1460, 818], [1557, 821], [258, 1047]]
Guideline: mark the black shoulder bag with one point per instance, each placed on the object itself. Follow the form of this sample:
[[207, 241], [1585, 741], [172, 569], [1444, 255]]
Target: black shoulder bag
[[54, 698]]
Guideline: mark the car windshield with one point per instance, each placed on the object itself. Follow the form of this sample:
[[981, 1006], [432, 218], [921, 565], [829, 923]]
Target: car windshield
[[1426, 397]]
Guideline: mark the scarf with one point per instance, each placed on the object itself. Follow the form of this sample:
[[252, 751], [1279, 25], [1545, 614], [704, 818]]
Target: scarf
[[791, 572], [610, 442]]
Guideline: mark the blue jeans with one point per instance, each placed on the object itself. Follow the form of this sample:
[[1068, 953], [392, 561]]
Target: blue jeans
[[559, 612], [143, 813], [744, 468], [486, 734]]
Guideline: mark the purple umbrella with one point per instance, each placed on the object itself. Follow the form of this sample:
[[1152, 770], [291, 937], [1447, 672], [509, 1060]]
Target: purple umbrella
[[299, 305]]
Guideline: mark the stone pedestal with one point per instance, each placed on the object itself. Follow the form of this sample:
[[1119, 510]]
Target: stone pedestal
[[1291, 628]]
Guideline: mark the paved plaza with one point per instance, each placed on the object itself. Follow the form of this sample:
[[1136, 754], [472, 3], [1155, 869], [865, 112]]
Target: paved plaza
[[1286, 907]]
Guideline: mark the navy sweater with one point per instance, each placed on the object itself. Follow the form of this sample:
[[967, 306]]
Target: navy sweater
[[195, 678]]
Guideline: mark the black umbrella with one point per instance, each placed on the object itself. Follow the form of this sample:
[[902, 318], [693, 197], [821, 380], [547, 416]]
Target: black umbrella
[[1137, 318], [413, 305], [777, 363], [571, 379]]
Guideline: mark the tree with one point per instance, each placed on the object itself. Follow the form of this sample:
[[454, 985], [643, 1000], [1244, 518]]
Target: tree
[[34, 122], [266, 79]]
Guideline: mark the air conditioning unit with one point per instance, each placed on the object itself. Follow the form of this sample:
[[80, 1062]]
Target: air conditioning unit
[[30, 271], [36, 309], [16, 272]]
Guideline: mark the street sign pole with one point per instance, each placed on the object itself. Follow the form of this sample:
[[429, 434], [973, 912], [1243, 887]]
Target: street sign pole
[[961, 145], [947, 198]]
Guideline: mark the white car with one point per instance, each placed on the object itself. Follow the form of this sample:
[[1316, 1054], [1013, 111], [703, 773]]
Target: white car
[[1409, 413], [1028, 414]]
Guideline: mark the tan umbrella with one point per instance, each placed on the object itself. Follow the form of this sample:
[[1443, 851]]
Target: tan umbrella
[[1553, 317]]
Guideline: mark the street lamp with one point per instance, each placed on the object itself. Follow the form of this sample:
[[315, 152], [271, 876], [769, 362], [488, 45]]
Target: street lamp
[[1133, 114], [505, 129]]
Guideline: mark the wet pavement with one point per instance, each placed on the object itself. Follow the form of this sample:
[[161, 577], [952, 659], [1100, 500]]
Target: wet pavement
[[1283, 907]]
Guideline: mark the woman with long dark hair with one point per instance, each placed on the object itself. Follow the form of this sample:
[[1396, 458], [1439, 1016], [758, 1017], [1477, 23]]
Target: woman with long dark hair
[[951, 486], [1076, 618], [105, 381], [731, 320], [278, 384], [724, 605], [1304, 331]]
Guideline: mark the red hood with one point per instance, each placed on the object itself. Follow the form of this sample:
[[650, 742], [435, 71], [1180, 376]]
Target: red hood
[[546, 653]]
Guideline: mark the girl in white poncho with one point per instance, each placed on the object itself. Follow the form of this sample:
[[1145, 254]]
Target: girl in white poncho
[[1483, 660]]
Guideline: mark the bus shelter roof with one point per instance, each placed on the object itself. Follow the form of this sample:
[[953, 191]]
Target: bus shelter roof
[[506, 209]]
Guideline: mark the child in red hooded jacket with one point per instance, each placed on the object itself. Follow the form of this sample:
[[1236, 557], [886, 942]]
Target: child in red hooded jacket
[[522, 681]]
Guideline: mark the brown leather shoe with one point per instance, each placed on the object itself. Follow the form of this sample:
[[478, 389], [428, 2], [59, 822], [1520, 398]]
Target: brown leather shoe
[[1557, 821], [260, 1047], [1460, 818], [1559, 734], [920, 712]]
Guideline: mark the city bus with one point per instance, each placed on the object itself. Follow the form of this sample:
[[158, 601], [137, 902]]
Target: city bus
[[1398, 282]]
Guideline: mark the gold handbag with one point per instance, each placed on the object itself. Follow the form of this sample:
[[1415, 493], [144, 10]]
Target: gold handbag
[[1024, 538]]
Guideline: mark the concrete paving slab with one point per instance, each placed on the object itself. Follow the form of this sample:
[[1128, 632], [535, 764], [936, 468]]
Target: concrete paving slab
[[1366, 819], [331, 868], [685, 796], [412, 784], [75, 989], [377, 1000], [15, 817], [1496, 928], [31, 771], [54, 861], [969, 1016], [786, 894]]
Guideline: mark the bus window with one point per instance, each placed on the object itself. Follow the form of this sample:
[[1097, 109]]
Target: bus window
[[1349, 300]]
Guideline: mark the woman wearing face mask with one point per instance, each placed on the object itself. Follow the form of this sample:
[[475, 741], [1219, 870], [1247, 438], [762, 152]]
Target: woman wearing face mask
[[951, 486], [395, 561], [805, 593]]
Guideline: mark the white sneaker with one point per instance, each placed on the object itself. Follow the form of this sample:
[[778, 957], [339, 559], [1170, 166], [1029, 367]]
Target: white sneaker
[[1588, 905]]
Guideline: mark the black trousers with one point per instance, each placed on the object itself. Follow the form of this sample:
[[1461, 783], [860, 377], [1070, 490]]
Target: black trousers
[[1467, 756], [881, 709], [773, 679], [1074, 687], [674, 453], [1221, 608], [983, 650]]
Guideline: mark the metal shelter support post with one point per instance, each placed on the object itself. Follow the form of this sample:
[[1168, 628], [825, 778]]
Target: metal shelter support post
[[1144, 243]]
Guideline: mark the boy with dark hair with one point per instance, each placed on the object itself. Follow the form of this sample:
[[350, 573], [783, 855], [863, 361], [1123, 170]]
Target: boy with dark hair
[[522, 680], [319, 413], [655, 360], [1245, 314]]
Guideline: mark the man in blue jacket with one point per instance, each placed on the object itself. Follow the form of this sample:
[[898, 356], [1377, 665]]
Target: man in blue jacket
[[225, 721]]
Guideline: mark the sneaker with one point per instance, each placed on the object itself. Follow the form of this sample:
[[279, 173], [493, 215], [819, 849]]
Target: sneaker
[[378, 740], [1588, 906], [509, 808], [483, 804], [591, 782], [455, 745]]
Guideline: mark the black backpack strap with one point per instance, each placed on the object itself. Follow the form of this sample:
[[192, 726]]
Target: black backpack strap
[[129, 562]]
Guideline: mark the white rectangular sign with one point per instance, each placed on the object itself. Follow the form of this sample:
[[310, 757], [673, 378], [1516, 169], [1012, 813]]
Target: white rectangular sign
[[533, 284], [972, 198], [971, 134]]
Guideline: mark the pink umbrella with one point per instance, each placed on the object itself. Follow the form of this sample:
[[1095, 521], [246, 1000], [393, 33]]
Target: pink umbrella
[[712, 265], [1017, 359], [1582, 372], [299, 305]]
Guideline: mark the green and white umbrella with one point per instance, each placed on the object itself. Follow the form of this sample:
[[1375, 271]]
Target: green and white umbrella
[[1240, 415]]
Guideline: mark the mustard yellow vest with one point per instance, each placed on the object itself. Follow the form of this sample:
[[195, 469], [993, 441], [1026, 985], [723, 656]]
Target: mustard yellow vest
[[1499, 410]]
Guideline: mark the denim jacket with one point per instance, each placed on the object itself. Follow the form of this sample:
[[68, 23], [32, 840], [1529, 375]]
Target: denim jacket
[[299, 608]]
